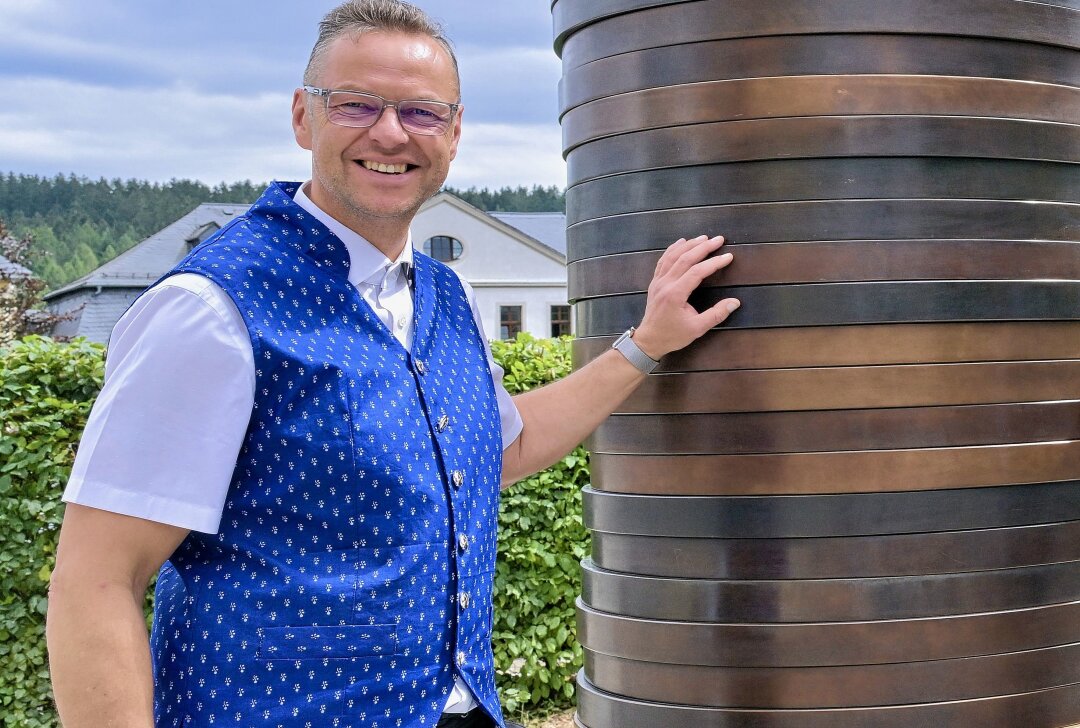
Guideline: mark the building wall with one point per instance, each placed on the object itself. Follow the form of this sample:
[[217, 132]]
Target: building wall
[[535, 302], [502, 269]]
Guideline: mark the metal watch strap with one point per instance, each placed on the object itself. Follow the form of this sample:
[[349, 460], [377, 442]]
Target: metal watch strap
[[626, 346]]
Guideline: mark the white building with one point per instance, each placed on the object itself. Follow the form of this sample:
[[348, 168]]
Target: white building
[[516, 263]]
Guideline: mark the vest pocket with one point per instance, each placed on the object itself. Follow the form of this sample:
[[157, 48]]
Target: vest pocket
[[342, 642]]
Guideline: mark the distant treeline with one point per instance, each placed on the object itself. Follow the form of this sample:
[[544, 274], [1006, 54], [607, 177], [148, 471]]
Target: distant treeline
[[514, 199], [79, 223]]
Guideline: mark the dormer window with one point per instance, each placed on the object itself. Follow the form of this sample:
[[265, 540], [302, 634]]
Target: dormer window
[[443, 248], [201, 233]]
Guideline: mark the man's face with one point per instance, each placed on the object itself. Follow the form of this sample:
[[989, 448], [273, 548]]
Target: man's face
[[397, 67]]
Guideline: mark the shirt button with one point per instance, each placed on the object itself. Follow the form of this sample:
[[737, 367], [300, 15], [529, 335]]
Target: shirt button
[[443, 423], [464, 599], [401, 322], [458, 478], [460, 658], [421, 366], [463, 542]]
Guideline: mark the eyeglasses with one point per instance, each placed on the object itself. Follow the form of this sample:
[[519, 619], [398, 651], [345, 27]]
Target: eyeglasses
[[357, 109]]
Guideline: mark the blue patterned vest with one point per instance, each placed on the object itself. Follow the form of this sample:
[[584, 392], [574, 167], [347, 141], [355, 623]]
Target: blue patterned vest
[[352, 572]]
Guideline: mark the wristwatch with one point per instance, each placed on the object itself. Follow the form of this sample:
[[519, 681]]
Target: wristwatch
[[626, 346]]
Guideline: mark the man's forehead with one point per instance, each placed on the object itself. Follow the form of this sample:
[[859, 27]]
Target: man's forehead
[[378, 50]]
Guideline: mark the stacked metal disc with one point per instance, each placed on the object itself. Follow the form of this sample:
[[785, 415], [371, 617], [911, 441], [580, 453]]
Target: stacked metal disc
[[857, 503]]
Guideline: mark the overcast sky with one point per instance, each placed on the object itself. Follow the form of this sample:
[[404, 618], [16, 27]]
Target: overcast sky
[[155, 89]]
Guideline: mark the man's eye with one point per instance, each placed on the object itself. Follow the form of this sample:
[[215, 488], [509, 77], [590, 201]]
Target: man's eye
[[356, 107]]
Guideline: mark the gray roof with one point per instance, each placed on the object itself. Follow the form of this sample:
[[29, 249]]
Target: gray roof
[[547, 227], [147, 261], [12, 270]]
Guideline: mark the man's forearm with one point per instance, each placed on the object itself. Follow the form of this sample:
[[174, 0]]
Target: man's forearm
[[560, 415], [99, 656]]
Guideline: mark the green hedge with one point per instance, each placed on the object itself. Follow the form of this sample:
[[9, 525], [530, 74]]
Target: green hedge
[[541, 542], [46, 390]]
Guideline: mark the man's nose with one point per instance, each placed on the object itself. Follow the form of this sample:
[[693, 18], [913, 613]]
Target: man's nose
[[387, 129]]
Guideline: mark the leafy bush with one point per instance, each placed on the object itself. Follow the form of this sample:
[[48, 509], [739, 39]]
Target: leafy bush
[[541, 541], [46, 390]]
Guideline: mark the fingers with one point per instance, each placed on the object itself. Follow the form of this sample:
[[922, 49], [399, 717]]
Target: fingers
[[684, 253], [717, 313], [693, 277]]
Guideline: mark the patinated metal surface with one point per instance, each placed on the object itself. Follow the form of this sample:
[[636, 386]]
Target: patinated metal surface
[[837, 304], [823, 54], [824, 136], [831, 643], [837, 557], [855, 503], [811, 516], [693, 22], [827, 346], [963, 678], [839, 262], [1049, 708], [851, 471], [861, 599], [910, 385], [832, 430], [807, 221], [809, 96], [823, 179]]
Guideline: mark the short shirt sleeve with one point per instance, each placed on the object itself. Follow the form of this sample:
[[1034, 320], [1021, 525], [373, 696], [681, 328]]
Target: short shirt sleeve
[[508, 411], [162, 439]]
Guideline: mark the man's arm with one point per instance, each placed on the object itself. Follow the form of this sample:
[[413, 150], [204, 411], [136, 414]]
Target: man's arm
[[99, 651], [562, 414]]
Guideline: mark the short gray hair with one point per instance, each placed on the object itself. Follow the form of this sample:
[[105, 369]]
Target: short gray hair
[[356, 17]]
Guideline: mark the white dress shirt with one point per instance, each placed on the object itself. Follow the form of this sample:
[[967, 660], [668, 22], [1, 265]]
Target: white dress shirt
[[162, 439]]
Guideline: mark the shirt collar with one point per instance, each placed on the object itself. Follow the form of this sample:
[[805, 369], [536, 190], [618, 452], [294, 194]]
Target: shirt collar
[[367, 264]]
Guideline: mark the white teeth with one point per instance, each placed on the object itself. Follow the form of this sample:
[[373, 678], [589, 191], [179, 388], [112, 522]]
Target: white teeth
[[384, 168]]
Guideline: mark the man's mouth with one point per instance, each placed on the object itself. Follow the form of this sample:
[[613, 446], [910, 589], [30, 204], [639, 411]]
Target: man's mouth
[[384, 168]]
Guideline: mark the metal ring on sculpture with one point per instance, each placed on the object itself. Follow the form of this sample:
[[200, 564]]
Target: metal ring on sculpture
[[828, 644], [825, 346], [693, 22], [841, 514], [837, 178], [828, 600], [819, 54], [823, 137], [845, 471], [1045, 707], [828, 220], [837, 557]]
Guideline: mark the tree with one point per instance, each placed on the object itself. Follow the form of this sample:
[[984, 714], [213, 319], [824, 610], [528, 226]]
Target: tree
[[21, 311]]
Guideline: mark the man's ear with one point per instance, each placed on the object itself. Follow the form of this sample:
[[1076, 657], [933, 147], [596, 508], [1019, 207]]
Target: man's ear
[[301, 121]]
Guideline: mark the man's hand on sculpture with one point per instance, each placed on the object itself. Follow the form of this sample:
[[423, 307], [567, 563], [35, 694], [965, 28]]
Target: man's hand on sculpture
[[670, 322]]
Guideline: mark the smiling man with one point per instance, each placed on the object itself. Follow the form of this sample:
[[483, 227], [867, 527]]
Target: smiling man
[[303, 433]]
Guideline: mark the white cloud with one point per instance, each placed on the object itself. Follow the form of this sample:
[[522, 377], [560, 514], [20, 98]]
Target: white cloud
[[60, 127], [500, 155], [155, 135]]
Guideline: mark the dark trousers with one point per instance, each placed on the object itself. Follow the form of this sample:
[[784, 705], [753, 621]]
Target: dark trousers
[[475, 718]]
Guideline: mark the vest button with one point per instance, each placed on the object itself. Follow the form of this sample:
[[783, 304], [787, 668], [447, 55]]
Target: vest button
[[457, 478], [421, 366], [464, 599], [460, 658], [443, 423], [463, 542]]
